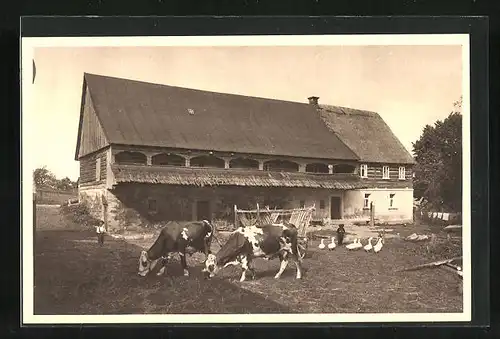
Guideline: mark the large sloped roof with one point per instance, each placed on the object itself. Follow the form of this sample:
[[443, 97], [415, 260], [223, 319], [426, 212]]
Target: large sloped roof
[[145, 114], [366, 133]]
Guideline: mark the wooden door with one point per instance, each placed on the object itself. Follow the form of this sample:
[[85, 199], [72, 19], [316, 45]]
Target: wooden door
[[203, 210], [335, 203]]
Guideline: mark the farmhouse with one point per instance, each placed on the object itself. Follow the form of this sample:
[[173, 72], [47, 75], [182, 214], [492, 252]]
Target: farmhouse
[[150, 153]]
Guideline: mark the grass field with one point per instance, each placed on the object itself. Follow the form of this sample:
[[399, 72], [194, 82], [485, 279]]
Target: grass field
[[73, 275]]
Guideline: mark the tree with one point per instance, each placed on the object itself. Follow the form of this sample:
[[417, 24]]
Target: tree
[[65, 184], [438, 155], [44, 178]]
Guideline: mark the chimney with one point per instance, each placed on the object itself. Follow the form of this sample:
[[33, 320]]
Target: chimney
[[313, 100]]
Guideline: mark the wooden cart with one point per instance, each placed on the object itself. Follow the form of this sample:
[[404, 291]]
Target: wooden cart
[[300, 217]]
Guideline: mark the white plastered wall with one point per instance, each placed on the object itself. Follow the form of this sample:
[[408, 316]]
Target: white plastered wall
[[402, 209]]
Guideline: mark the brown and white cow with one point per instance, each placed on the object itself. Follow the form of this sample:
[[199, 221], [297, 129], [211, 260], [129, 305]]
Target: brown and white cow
[[246, 243], [176, 238]]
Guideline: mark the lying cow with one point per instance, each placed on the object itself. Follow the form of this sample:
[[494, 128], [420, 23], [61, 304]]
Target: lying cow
[[196, 235], [246, 243]]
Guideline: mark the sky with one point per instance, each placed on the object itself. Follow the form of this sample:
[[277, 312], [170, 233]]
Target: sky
[[409, 86]]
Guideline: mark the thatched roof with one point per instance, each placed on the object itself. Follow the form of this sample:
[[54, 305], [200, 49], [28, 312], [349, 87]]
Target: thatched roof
[[366, 133], [231, 177], [145, 114]]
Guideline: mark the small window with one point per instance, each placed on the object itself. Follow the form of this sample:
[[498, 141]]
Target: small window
[[366, 201], [152, 207], [363, 171], [402, 173], [321, 204], [391, 200], [385, 172], [98, 169], [302, 204]]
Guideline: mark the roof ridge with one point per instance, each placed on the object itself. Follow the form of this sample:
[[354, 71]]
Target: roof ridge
[[195, 89], [348, 110], [274, 127]]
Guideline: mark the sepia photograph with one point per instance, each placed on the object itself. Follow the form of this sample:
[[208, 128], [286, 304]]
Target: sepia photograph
[[246, 179]]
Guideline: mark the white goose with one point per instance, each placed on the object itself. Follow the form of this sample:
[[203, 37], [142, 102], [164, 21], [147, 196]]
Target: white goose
[[322, 245], [368, 247], [378, 245], [355, 245], [332, 245]]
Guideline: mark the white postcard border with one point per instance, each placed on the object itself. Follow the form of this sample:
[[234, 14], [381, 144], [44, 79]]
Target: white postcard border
[[27, 50]]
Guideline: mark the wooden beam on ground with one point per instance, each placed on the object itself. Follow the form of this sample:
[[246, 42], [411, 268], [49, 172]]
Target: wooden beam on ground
[[428, 265], [452, 269]]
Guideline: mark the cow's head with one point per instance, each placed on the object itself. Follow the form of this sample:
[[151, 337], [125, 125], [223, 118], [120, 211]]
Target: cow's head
[[211, 267], [145, 264]]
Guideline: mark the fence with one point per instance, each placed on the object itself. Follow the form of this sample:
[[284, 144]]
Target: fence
[[47, 196]]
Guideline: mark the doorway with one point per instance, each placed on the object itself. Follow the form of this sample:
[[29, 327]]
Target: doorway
[[203, 210], [335, 203]]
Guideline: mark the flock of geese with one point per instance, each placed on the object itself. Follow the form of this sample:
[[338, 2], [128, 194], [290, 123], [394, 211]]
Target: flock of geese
[[356, 245]]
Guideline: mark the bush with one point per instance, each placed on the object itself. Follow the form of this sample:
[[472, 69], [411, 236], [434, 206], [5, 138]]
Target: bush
[[80, 215]]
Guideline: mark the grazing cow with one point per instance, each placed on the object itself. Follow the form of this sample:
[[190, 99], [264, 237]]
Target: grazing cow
[[268, 242], [196, 235]]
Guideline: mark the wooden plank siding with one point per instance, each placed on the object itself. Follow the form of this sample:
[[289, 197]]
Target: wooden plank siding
[[88, 167], [92, 137], [375, 172]]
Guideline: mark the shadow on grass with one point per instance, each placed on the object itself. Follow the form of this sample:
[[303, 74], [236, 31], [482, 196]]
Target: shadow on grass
[[74, 275]]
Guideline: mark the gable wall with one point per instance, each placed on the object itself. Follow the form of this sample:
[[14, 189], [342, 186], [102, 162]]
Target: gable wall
[[92, 136]]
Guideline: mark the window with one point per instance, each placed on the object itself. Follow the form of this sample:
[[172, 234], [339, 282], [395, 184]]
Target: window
[[302, 204], [363, 171], [152, 205], [98, 169], [321, 204], [402, 173], [385, 172], [366, 201], [391, 200]]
